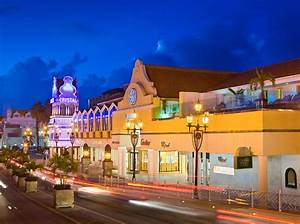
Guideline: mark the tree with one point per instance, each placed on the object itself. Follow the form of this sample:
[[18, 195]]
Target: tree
[[259, 83], [64, 164]]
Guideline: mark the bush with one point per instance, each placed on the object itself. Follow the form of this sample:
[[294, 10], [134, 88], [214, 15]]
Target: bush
[[62, 187], [31, 178], [20, 172]]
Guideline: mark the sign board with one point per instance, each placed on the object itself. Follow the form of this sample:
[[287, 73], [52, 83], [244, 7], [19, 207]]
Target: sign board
[[243, 162], [224, 170], [145, 142]]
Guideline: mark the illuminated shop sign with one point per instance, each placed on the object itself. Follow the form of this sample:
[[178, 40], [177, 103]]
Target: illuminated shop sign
[[67, 100], [145, 142]]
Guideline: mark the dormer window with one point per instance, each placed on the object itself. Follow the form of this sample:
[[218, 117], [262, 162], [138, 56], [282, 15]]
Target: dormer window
[[16, 115]]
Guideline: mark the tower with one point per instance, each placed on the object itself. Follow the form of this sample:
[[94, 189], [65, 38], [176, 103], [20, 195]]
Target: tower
[[64, 104]]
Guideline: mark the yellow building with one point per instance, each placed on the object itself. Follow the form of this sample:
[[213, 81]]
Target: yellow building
[[245, 146]]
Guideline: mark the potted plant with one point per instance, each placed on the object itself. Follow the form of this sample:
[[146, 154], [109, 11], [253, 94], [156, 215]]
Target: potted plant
[[30, 180], [63, 194], [21, 174]]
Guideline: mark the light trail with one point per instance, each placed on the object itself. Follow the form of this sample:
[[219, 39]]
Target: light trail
[[170, 208], [235, 219], [3, 185], [256, 216]]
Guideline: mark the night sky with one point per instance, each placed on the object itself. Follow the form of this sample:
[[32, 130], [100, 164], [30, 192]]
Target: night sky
[[98, 41]]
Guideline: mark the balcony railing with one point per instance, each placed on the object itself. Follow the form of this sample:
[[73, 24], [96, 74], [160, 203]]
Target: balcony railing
[[232, 103]]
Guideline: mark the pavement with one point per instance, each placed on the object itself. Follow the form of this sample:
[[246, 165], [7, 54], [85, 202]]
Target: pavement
[[98, 204]]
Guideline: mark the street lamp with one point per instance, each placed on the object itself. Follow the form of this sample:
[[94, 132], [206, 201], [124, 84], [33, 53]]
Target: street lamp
[[197, 137], [27, 138], [133, 128], [56, 134], [45, 136], [72, 134]]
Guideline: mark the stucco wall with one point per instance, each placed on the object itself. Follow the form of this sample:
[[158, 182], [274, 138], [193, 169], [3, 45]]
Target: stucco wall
[[242, 178]]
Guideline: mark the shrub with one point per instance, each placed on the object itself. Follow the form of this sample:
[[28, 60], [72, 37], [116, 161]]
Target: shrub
[[20, 172], [64, 164]]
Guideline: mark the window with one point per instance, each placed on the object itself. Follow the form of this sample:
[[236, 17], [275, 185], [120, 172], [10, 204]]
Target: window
[[290, 178], [62, 109], [105, 120], [91, 122], [71, 109], [278, 93], [144, 160], [98, 117], [130, 160], [113, 109], [168, 161], [84, 119]]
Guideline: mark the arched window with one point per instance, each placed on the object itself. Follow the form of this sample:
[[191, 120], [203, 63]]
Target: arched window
[[62, 109], [71, 109], [91, 121], [290, 178], [112, 110], [97, 121], [105, 116], [79, 123], [84, 120]]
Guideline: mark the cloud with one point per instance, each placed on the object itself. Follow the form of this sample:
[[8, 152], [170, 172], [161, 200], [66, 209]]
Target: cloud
[[30, 81], [26, 83], [70, 67], [91, 86]]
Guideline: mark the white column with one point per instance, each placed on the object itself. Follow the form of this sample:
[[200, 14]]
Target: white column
[[153, 165], [262, 171], [122, 161]]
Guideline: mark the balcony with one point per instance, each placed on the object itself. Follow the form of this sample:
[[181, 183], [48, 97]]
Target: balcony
[[106, 134], [239, 103], [91, 134]]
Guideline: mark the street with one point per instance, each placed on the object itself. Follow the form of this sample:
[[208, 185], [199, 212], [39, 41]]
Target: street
[[97, 205]]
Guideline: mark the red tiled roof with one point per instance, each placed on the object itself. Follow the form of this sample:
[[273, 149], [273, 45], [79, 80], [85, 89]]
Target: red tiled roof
[[169, 81], [278, 70]]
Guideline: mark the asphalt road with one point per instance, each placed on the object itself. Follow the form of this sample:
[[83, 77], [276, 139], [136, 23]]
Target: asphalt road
[[98, 206], [17, 209]]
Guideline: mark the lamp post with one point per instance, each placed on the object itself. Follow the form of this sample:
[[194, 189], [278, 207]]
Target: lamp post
[[133, 128], [27, 139], [45, 136], [197, 138], [56, 134], [72, 134]]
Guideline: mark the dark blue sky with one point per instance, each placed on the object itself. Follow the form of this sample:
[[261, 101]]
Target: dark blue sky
[[97, 41]]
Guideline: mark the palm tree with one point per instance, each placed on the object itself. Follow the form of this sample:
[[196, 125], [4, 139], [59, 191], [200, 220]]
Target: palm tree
[[64, 164], [39, 112], [259, 83]]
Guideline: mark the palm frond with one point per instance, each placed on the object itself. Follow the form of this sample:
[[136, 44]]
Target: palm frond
[[232, 91]]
